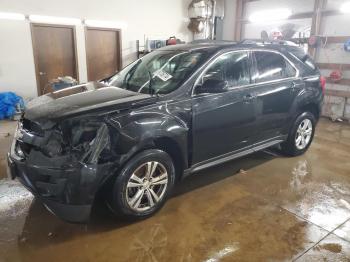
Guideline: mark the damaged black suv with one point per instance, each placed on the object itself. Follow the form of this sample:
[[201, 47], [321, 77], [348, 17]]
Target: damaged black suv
[[173, 112]]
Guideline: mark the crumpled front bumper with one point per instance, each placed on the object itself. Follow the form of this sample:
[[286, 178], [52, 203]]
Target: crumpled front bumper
[[68, 212], [66, 188]]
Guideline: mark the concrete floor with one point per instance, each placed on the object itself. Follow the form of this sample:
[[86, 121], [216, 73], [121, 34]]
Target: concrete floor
[[263, 207]]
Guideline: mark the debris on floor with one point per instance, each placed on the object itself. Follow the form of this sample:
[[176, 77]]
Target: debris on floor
[[242, 171]]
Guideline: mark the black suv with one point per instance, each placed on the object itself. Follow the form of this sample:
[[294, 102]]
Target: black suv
[[173, 112]]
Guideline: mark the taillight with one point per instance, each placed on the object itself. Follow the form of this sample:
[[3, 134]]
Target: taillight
[[323, 83]]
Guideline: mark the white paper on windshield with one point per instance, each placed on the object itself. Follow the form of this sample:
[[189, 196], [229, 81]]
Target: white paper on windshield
[[164, 76]]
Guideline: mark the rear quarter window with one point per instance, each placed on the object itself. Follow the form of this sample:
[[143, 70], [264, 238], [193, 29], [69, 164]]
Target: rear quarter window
[[271, 66], [304, 58]]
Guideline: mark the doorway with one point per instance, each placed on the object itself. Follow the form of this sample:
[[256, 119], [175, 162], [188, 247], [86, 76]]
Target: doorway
[[54, 49], [103, 52]]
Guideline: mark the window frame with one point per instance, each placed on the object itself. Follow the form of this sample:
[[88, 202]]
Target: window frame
[[286, 60], [251, 71], [206, 67]]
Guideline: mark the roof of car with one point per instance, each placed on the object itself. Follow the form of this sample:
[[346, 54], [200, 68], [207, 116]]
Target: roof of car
[[213, 45], [198, 45]]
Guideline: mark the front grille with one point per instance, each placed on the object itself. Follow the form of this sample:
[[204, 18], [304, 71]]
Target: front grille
[[32, 127]]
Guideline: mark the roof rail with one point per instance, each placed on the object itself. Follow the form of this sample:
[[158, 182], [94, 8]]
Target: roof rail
[[208, 41], [267, 42]]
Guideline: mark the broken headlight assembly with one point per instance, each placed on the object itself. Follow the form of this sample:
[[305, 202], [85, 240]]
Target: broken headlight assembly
[[90, 142]]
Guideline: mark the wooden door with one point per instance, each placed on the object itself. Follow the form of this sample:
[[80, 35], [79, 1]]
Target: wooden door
[[103, 55], [54, 54]]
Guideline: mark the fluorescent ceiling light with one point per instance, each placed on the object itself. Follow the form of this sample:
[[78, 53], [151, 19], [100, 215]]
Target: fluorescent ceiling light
[[345, 7], [12, 16], [54, 20], [106, 24], [270, 15]]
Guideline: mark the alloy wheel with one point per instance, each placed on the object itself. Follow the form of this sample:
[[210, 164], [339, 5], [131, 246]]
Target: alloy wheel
[[303, 134], [146, 186]]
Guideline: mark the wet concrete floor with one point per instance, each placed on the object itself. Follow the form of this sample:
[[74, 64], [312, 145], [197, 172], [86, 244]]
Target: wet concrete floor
[[263, 207]]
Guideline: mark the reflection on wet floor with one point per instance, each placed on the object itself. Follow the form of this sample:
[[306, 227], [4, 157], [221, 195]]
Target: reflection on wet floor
[[264, 207]]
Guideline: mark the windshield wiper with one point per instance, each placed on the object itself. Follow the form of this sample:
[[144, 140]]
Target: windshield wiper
[[151, 90]]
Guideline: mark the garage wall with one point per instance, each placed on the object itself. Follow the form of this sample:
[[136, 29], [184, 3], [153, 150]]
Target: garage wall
[[335, 106], [336, 25], [156, 18], [253, 30], [229, 21]]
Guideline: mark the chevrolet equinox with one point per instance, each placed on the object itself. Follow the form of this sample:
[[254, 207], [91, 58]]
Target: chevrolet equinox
[[175, 111]]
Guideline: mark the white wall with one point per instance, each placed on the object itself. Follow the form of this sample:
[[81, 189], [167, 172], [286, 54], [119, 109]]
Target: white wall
[[229, 22], [156, 18], [17, 72]]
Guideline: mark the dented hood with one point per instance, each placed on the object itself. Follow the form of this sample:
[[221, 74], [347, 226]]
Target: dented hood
[[78, 99]]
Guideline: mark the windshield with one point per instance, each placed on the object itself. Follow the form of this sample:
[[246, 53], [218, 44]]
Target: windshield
[[160, 72]]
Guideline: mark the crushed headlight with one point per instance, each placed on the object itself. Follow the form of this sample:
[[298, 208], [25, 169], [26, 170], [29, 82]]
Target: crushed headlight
[[97, 145]]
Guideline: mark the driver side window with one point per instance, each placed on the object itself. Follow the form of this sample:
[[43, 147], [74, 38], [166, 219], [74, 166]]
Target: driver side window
[[230, 67]]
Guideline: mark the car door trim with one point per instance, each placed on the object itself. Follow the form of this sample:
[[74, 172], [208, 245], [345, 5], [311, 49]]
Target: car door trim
[[235, 154]]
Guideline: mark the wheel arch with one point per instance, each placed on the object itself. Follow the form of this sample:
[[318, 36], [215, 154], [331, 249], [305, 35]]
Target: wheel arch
[[312, 108]]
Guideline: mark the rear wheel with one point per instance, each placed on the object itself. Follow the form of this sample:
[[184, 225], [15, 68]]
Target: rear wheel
[[143, 185], [300, 135]]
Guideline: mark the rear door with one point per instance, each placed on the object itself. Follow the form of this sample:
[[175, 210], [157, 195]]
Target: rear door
[[276, 86], [223, 122]]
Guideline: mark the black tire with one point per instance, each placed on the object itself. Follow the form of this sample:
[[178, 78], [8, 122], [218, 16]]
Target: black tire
[[289, 147], [118, 200]]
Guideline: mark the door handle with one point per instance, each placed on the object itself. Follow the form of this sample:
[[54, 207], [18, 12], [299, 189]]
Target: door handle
[[42, 73], [295, 86], [248, 98]]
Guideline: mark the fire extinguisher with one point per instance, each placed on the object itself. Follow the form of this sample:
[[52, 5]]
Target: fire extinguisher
[[336, 76], [171, 41], [314, 41]]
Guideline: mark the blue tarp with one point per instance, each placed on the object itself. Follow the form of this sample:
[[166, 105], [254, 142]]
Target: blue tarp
[[8, 103]]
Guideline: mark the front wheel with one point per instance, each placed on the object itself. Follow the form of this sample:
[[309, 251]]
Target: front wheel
[[143, 185], [300, 135]]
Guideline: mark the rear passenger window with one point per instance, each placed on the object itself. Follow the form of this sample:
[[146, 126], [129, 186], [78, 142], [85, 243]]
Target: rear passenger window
[[231, 67], [272, 66]]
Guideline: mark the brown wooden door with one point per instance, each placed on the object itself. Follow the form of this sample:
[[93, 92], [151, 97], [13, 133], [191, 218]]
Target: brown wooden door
[[102, 52], [54, 54]]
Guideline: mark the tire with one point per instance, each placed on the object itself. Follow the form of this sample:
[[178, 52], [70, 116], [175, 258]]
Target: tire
[[132, 193], [291, 147]]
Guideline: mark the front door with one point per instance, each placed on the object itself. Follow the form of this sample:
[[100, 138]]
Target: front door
[[224, 122], [54, 54]]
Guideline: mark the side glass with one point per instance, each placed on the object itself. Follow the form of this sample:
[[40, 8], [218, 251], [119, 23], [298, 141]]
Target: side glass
[[271, 66], [231, 67]]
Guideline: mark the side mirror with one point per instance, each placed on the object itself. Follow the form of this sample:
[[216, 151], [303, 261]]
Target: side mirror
[[212, 86]]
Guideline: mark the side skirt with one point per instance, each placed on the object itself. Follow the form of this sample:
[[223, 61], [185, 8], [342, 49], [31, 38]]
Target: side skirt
[[233, 155]]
